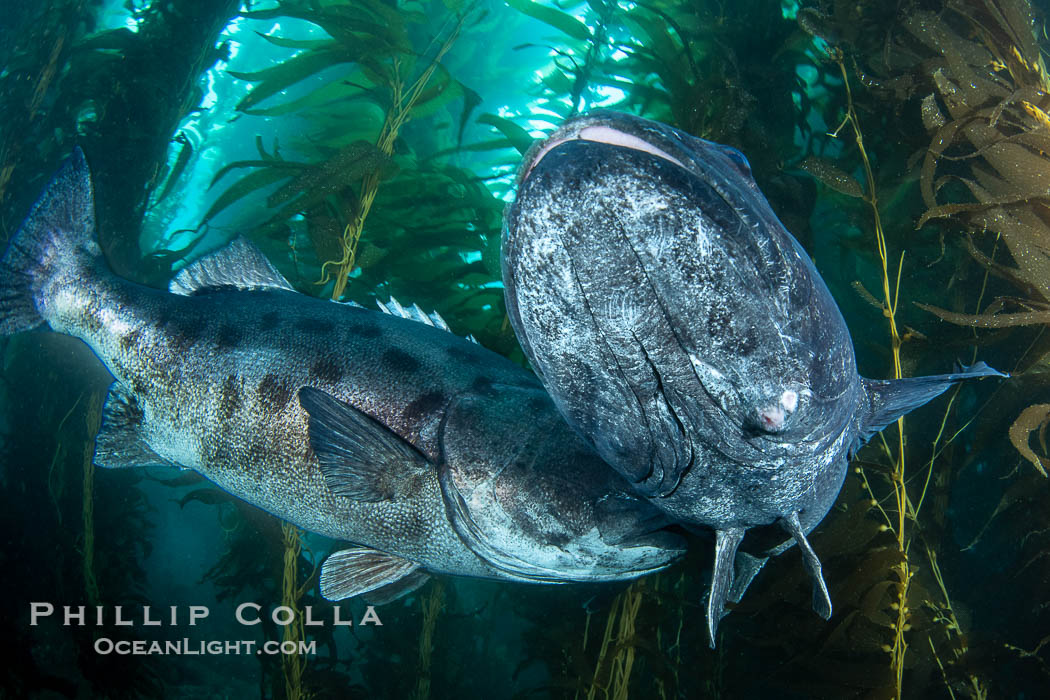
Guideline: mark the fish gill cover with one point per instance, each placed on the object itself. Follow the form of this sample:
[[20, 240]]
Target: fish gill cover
[[368, 148]]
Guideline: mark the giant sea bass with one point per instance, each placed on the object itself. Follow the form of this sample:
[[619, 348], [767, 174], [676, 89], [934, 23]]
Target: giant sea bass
[[423, 449], [688, 337]]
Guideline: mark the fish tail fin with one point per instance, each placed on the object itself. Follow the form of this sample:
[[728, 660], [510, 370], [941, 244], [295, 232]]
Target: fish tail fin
[[55, 241]]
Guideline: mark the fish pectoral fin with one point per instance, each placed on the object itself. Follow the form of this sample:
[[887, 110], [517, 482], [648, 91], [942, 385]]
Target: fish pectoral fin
[[726, 543], [240, 265], [398, 589], [890, 399], [120, 441], [360, 457], [821, 596], [746, 567], [358, 570]]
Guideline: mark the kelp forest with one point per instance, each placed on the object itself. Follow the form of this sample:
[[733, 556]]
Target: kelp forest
[[368, 147]]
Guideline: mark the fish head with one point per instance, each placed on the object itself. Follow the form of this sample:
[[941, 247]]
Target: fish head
[[673, 318], [531, 499], [682, 330]]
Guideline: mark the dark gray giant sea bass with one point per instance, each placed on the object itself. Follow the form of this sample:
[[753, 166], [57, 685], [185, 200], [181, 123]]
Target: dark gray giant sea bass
[[686, 334], [426, 449]]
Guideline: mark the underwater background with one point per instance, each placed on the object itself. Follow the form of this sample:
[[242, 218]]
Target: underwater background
[[368, 147]]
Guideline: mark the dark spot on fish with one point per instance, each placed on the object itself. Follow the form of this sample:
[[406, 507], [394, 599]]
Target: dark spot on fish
[[229, 336], [400, 361], [185, 332], [218, 449], [256, 453], [314, 325], [483, 386], [326, 370], [427, 403], [230, 397], [129, 340], [92, 317], [273, 394], [537, 404], [269, 320], [366, 330], [462, 352], [119, 297], [139, 387], [558, 539], [718, 322], [748, 343], [165, 314]]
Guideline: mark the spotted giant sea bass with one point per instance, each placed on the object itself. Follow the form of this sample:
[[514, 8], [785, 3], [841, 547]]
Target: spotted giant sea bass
[[688, 337], [426, 451]]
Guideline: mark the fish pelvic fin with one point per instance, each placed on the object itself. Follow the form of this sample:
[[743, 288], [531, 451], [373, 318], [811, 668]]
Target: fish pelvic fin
[[890, 399], [821, 596], [360, 570], [57, 239], [360, 457], [726, 543], [398, 589]]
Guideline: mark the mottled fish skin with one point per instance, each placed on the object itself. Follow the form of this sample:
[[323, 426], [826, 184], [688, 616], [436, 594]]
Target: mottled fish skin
[[685, 334], [668, 311], [212, 381], [216, 379]]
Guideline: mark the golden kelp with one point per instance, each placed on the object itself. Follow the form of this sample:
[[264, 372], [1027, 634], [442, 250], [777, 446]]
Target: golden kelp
[[991, 133]]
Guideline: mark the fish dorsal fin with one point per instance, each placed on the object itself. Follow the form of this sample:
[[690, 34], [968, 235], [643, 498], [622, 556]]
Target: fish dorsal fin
[[414, 313], [358, 570], [360, 457], [890, 399], [120, 441], [240, 265]]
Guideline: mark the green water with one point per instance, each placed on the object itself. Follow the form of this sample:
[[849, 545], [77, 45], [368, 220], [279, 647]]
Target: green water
[[373, 144]]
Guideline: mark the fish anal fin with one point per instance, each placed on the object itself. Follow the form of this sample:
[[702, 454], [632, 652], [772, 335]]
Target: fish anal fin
[[360, 457], [120, 441], [726, 543], [746, 567], [821, 596], [240, 265], [359, 570]]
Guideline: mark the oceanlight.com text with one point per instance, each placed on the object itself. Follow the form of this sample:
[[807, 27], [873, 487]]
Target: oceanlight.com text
[[186, 647]]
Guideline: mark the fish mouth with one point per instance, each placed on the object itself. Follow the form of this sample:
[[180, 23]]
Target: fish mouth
[[611, 129]]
